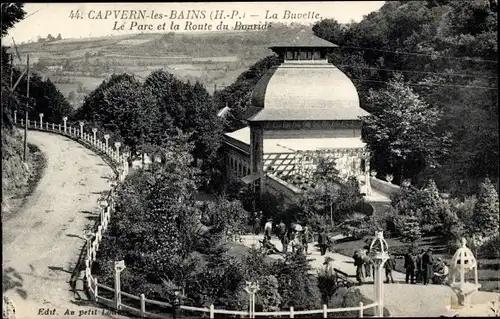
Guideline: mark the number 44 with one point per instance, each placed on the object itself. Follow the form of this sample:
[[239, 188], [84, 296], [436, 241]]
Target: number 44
[[76, 14]]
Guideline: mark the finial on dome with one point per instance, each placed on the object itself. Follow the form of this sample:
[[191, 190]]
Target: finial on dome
[[464, 241]]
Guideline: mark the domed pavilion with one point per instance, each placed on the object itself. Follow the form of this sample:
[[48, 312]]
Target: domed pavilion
[[301, 108]]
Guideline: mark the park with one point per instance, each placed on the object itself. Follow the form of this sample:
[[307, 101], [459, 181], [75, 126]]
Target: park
[[267, 197]]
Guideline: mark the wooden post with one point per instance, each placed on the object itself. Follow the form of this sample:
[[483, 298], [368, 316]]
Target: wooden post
[[325, 311], [119, 267], [53, 126], [47, 126], [361, 309], [291, 312], [212, 314], [15, 113], [143, 306], [96, 295]]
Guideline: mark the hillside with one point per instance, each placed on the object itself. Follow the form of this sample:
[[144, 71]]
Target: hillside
[[18, 178]]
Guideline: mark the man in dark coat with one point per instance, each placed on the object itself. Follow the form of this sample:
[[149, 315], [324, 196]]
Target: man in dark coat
[[282, 228], [285, 239], [427, 263], [322, 242], [419, 269], [410, 266], [358, 262], [306, 238], [256, 224], [389, 266]]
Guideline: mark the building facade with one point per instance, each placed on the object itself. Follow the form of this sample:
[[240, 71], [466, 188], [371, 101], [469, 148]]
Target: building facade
[[301, 110]]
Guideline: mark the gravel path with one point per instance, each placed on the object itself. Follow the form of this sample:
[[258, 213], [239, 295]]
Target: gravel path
[[341, 262], [42, 242]]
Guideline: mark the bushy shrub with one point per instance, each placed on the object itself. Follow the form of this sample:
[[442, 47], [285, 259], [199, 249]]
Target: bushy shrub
[[490, 249], [409, 228], [327, 283], [297, 287]]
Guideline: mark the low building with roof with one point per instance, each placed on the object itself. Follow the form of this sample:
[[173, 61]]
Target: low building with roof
[[303, 107]]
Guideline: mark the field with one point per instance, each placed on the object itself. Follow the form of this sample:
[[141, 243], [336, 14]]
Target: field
[[212, 59]]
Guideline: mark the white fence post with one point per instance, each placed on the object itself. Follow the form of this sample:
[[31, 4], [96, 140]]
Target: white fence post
[[119, 267], [96, 295], [59, 127], [291, 312], [53, 125], [212, 313], [361, 309], [143, 306], [64, 119], [325, 311], [47, 126]]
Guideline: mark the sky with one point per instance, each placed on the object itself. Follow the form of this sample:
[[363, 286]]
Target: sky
[[54, 18]]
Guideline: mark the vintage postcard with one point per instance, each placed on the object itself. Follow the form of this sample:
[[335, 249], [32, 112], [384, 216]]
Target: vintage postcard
[[250, 159]]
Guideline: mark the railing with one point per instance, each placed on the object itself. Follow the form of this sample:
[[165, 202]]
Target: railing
[[120, 166]]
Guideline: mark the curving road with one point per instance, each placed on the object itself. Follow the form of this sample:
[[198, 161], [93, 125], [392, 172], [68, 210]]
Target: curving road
[[42, 243]]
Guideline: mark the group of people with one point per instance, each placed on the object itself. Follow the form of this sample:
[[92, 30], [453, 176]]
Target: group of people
[[292, 236], [423, 268], [420, 268]]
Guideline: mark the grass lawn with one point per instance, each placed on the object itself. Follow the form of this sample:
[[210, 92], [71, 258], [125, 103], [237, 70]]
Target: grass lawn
[[488, 272]]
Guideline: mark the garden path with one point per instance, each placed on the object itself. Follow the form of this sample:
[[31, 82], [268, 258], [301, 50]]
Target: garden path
[[341, 262]]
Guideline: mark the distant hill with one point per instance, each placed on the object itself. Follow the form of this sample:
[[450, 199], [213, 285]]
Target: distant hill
[[212, 58]]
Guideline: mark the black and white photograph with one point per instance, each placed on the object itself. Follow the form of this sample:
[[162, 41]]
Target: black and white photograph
[[305, 159]]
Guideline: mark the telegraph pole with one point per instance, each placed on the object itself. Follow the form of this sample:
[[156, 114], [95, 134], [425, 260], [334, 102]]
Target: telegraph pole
[[11, 71], [26, 112]]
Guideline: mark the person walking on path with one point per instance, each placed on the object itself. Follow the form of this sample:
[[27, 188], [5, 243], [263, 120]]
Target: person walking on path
[[420, 267], [322, 241], [358, 262], [410, 266], [282, 228], [427, 263], [306, 236], [389, 266], [268, 228], [256, 224], [284, 241]]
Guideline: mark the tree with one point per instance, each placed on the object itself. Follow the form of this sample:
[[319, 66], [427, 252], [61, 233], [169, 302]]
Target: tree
[[409, 228], [191, 109], [486, 212], [130, 111], [297, 287], [227, 217], [404, 126], [59, 37], [11, 14], [237, 96]]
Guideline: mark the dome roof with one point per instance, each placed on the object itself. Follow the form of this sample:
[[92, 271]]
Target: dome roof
[[305, 91], [464, 255]]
